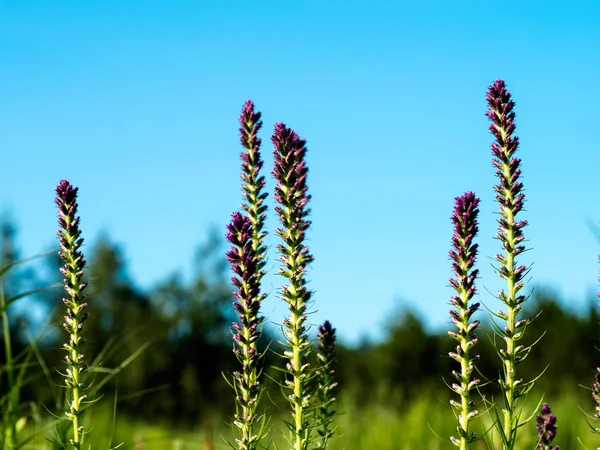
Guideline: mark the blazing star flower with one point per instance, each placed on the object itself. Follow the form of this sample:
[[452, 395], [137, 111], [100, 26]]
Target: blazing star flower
[[247, 257], [291, 193], [247, 331], [463, 255], [510, 233], [72, 270]]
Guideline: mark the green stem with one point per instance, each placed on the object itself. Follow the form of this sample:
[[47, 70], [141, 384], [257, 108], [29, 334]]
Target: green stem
[[509, 363], [464, 415], [299, 410], [76, 399], [250, 377]]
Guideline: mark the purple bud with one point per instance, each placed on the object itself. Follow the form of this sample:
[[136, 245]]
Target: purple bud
[[546, 428]]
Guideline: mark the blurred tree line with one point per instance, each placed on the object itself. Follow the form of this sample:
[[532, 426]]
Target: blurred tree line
[[174, 342]]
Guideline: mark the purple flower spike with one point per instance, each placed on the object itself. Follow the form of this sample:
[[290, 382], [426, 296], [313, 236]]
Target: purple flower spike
[[72, 270], [244, 264], [463, 255], [509, 191], [290, 172], [510, 233], [546, 429]]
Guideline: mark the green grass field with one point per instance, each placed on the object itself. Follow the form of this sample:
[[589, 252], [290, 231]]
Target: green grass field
[[422, 424]]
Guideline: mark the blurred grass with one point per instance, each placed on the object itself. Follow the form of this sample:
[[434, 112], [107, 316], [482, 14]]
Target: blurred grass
[[425, 423]]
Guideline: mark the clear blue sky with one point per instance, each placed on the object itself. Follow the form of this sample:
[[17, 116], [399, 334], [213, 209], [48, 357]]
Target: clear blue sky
[[136, 102]]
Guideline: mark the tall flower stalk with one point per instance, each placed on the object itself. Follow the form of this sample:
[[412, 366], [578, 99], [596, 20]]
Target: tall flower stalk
[[463, 255], [510, 233], [247, 331], [72, 270], [546, 429], [247, 257], [326, 384], [290, 172]]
